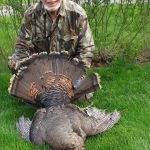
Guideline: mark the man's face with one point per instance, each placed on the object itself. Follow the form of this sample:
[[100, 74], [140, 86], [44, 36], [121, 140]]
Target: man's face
[[51, 5]]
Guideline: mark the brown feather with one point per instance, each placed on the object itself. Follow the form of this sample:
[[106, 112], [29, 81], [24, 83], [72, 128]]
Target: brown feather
[[39, 71]]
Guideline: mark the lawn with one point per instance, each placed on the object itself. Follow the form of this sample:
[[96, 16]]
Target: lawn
[[126, 87]]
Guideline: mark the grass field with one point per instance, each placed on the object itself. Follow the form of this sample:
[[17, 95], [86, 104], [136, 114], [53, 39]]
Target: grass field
[[126, 87]]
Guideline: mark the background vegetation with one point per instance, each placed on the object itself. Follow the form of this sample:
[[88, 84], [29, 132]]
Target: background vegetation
[[122, 35], [118, 29]]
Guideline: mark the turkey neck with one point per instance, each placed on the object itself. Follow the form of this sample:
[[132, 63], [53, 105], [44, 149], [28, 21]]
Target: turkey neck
[[53, 96]]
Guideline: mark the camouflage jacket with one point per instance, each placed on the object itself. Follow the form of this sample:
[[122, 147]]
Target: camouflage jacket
[[70, 32]]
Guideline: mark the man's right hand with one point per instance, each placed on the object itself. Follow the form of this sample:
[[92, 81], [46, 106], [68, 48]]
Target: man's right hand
[[12, 64]]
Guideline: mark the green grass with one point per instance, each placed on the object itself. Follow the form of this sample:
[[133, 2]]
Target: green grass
[[3, 2], [125, 87]]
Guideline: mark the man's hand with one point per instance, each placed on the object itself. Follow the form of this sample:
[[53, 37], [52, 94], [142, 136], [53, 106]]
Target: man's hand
[[12, 64]]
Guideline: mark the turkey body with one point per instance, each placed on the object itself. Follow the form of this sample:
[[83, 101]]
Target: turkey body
[[66, 127]]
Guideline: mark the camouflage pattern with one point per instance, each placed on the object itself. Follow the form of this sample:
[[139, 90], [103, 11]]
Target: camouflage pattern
[[70, 32]]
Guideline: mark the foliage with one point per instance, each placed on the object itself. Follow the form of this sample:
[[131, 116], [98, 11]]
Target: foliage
[[118, 29]]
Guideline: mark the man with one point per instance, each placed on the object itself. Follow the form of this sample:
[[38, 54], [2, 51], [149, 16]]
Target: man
[[54, 25]]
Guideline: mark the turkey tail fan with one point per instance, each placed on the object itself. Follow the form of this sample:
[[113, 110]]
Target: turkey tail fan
[[86, 85], [56, 62], [39, 72]]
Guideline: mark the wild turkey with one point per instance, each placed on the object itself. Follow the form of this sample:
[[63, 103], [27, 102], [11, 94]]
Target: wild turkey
[[42, 73], [52, 81]]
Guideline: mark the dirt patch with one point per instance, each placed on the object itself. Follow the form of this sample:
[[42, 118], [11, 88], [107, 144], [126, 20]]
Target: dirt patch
[[144, 56], [102, 60]]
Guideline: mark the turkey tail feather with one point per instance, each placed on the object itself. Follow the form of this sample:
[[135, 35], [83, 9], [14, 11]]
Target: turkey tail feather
[[39, 72], [86, 85]]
